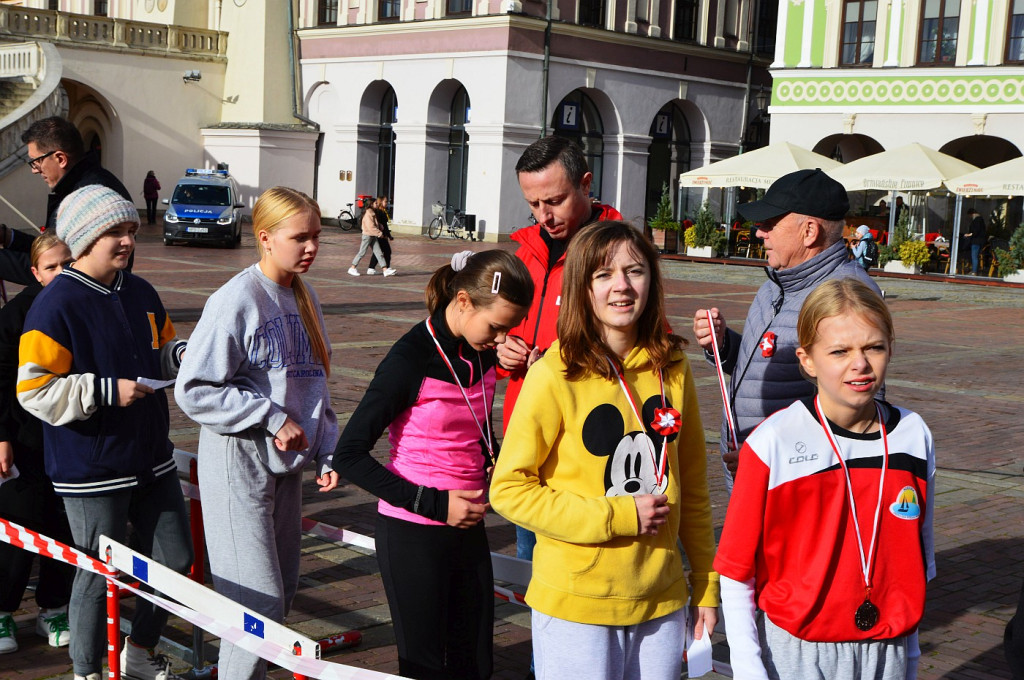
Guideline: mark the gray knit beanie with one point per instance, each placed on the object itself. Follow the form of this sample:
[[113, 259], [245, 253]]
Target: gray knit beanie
[[87, 213]]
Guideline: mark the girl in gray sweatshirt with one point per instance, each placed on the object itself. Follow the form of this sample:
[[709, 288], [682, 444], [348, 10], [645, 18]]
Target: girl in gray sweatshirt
[[255, 378]]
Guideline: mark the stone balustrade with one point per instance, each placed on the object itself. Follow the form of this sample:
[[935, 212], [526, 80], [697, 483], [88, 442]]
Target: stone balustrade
[[61, 27], [19, 60]]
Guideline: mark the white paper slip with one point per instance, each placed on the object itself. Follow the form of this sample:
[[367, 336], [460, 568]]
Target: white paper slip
[[154, 383], [698, 657], [14, 475]]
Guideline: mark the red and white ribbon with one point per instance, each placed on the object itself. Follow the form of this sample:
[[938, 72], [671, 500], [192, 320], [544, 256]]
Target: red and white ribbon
[[730, 419]]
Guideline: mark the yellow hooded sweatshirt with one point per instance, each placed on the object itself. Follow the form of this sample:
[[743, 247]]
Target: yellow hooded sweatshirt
[[572, 457]]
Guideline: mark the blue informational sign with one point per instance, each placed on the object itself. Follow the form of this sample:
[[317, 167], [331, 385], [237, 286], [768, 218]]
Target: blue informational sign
[[569, 116], [663, 125], [252, 625], [140, 569]]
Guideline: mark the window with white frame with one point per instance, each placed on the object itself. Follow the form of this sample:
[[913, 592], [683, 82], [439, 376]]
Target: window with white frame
[[940, 23]]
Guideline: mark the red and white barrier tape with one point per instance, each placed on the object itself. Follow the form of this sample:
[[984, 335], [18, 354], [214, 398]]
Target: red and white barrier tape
[[21, 537]]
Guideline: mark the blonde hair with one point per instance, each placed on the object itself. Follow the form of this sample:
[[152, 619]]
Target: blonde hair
[[582, 349], [274, 206], [43, 242], [841, 296]]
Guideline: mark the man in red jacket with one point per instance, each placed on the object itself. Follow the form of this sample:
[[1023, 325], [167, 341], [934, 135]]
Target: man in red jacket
[[555, 180]]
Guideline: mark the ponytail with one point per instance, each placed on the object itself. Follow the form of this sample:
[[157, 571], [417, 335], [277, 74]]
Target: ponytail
[[311, 322], [484, 276]]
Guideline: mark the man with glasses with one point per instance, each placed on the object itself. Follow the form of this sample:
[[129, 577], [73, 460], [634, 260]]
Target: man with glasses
[[57, 154], [801, 222]]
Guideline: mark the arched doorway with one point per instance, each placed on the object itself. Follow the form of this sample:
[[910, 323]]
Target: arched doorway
[[846, 148], [667, 157], [1002, 214], [458, 150], [386, 144], [577, 118]]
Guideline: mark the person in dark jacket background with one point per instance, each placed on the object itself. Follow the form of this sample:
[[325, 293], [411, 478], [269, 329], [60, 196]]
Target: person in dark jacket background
[[29, 499], [57, 153], [150, 192], [977, 237]]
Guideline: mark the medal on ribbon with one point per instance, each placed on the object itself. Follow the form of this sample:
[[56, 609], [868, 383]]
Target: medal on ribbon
[[666, 421]]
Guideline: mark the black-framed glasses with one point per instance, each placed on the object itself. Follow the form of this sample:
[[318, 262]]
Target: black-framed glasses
[[34, 162]]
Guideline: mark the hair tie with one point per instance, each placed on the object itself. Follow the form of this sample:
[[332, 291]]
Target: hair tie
[[460, 259]]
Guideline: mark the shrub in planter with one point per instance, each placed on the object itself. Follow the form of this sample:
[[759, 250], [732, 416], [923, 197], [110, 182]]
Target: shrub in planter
[[1011, 261], [705, 231], [663, 228], [914, 253], [886, 254]]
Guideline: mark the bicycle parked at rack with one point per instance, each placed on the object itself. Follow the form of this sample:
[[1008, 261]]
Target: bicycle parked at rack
[[346, 220], [456, 228]]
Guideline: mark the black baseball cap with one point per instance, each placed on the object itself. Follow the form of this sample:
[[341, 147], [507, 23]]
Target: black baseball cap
[[806, 192]]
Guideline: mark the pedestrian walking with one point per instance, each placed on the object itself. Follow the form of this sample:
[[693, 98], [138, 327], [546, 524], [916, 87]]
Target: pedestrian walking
[[151, 192]]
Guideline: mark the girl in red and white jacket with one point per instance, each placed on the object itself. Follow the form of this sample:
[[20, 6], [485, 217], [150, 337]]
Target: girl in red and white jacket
[[433, 392], [829, 529]]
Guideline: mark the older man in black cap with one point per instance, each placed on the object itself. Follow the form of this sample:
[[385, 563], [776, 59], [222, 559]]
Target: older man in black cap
[[801, 222]]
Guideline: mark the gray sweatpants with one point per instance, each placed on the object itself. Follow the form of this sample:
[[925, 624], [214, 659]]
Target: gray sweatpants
[[253, 528], [365, 243], [157, 514], [789, 658], [652, 650]]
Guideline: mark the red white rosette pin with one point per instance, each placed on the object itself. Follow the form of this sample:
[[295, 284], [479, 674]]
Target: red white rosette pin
[[666, 421]]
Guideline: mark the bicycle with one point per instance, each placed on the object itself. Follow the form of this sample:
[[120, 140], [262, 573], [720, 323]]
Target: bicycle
[[455, 228], [346, 220]]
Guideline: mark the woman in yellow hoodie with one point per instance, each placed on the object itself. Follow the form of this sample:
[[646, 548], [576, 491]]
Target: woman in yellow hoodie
[[604, 459]]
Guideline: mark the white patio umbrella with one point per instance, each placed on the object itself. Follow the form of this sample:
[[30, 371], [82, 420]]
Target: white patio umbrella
[[1003, 179], [913, 167], [758, 168]]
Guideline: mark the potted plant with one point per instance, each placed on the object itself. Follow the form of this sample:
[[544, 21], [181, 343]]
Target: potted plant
[[664, 230], [704, 238], [1010, 263], [900, 237], [914, 255]]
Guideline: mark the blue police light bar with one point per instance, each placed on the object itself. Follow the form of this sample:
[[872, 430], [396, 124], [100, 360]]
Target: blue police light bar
[[196, 171]]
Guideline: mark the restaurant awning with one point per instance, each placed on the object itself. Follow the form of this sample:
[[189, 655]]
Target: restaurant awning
[[913, 167], [1003, 179], [758, 168]]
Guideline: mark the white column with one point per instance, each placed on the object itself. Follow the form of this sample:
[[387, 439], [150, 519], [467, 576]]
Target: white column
[[780, 35], [625, 180], [808, 35], [892, 38], [981, 29], [412, 198]]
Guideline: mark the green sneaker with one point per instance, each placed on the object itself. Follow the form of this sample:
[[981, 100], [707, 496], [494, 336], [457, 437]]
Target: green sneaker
[[8, 628], [52, 624]]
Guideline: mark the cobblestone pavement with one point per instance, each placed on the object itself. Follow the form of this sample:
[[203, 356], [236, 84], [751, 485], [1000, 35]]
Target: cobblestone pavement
[[957, 361]]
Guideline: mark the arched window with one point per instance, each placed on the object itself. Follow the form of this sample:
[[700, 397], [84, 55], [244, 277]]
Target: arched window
[[667, 157], [386, 145], [458, 150], [577, 118]]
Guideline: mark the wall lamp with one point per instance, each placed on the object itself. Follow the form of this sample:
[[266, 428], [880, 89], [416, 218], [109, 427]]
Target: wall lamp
[[192, 76]]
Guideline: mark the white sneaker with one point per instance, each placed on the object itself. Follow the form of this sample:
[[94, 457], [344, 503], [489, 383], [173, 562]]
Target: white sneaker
[[371, 271], [8, 643], [52, 624], [91, 676], [353, 271], [140, 663], [390, 272]]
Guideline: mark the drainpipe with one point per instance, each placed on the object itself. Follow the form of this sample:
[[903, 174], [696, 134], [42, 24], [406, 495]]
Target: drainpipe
[[547, 67], [296, 95]]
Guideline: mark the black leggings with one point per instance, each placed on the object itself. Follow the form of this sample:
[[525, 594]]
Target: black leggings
[[441, 594]]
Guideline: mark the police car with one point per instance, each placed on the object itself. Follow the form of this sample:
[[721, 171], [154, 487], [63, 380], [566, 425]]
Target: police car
[[205, 206]]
